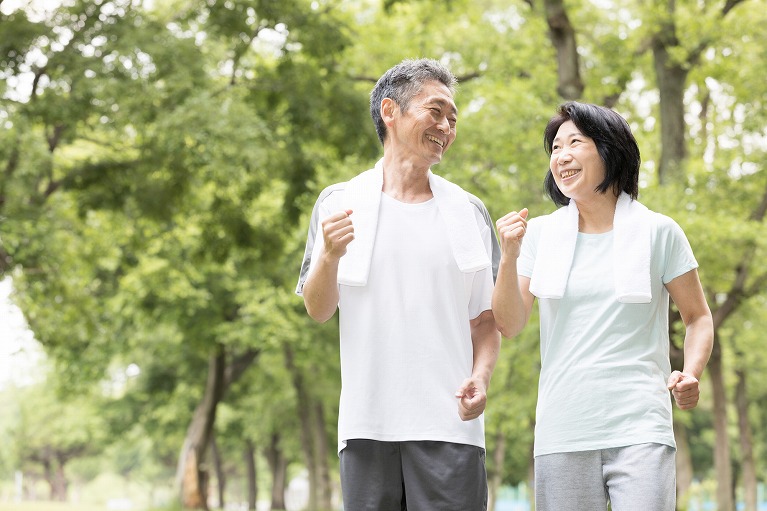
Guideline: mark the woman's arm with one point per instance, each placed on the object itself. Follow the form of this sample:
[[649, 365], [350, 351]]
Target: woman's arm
[[687, 293], [512, 300]]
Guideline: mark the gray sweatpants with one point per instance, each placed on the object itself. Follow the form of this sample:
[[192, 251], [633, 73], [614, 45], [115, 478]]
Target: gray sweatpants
[[638, 477]]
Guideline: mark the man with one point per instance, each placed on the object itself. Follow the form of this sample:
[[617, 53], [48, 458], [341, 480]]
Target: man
[[407, 257]]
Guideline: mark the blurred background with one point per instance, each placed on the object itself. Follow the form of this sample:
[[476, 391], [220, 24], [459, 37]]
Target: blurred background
[[158, 163]]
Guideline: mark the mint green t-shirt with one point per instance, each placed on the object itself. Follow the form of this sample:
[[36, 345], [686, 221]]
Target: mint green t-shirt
[[604, 364]]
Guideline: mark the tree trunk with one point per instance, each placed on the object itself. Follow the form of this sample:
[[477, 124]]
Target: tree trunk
[[60, 484], [325, 489], [724, 491], [738, 292], [53, 472], [569, 86], [278, 465], [496, 477], [746, 444], [220, 475], [252, 474], [305, 419], [191, 475], [671, 78], [684, 469]]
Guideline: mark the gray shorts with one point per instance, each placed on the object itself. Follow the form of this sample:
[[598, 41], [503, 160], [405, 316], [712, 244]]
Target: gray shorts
[[638, 477], [413, 476]]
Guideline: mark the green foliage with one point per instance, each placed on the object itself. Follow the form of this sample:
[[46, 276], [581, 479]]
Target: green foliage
[[51, 430], [155, 187]]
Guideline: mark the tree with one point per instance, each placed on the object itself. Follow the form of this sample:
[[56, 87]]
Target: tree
[[52, 432], [158, 165]]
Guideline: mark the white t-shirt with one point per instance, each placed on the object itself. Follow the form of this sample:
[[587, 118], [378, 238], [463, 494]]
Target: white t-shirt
[[405, 337], [604, 364]]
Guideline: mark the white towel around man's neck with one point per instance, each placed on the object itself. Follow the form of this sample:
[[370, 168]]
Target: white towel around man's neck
[[363, 196], [631, 252]]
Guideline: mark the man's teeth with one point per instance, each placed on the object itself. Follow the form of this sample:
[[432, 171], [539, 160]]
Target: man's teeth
[[434, 139]]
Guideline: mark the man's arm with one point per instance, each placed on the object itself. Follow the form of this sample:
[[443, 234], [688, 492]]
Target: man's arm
[[687, 293], [321, 287], [486, 340]]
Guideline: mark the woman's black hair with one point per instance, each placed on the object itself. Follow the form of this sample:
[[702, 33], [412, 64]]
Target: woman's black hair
[[615, 143]]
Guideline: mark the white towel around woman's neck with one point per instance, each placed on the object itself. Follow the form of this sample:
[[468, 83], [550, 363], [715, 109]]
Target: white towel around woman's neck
[[631, 252], [363, 196]]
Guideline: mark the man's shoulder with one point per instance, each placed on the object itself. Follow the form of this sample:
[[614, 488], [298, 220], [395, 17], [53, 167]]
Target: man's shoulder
[[336, 188], [475, 201], [331, 192]]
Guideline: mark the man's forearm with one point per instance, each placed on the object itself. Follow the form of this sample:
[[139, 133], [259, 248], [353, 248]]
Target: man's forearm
[[321, 290], [487, 344]]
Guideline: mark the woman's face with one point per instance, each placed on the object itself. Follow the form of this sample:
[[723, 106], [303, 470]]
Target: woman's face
[[575, 163]]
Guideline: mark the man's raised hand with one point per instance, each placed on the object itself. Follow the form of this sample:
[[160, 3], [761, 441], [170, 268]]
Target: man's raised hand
[[337, 232]]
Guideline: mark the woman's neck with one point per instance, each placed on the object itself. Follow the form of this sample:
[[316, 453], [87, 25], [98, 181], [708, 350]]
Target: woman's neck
[[596, 216]]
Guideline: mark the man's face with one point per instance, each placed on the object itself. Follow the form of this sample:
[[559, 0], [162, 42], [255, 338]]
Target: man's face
[[428, 127]]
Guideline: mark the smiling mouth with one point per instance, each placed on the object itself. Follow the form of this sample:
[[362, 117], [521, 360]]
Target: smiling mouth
[[568, 173], [436, 140]]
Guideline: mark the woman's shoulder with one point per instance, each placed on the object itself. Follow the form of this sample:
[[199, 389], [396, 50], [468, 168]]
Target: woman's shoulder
[[662, 221], [666, 228], [539, 221]]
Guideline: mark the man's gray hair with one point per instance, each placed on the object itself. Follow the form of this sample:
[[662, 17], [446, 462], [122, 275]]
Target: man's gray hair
[[402, 82]]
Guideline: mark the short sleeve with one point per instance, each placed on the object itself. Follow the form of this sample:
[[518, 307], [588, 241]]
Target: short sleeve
[[678, 257], [526, 260], [484, 280], [314, 240]]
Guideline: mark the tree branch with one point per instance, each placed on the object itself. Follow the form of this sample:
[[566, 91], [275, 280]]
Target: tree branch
[[729, 5], [757, 286], [570, 85], [240, 50], [738, 291], [239, 364], [54, 137], [758, 214]]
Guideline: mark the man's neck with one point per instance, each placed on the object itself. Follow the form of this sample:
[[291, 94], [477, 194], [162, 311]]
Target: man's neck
[[405, 181]]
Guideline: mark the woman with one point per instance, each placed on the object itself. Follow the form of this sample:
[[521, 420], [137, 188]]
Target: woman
[[602, 267]]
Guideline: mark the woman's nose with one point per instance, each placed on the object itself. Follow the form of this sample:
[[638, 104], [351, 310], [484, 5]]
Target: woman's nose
[[564, 156]]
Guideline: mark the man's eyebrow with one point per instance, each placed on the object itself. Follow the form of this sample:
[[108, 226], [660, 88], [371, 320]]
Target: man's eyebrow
[[445, 103]]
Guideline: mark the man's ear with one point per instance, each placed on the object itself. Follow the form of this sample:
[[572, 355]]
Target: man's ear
[[388, 109]]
